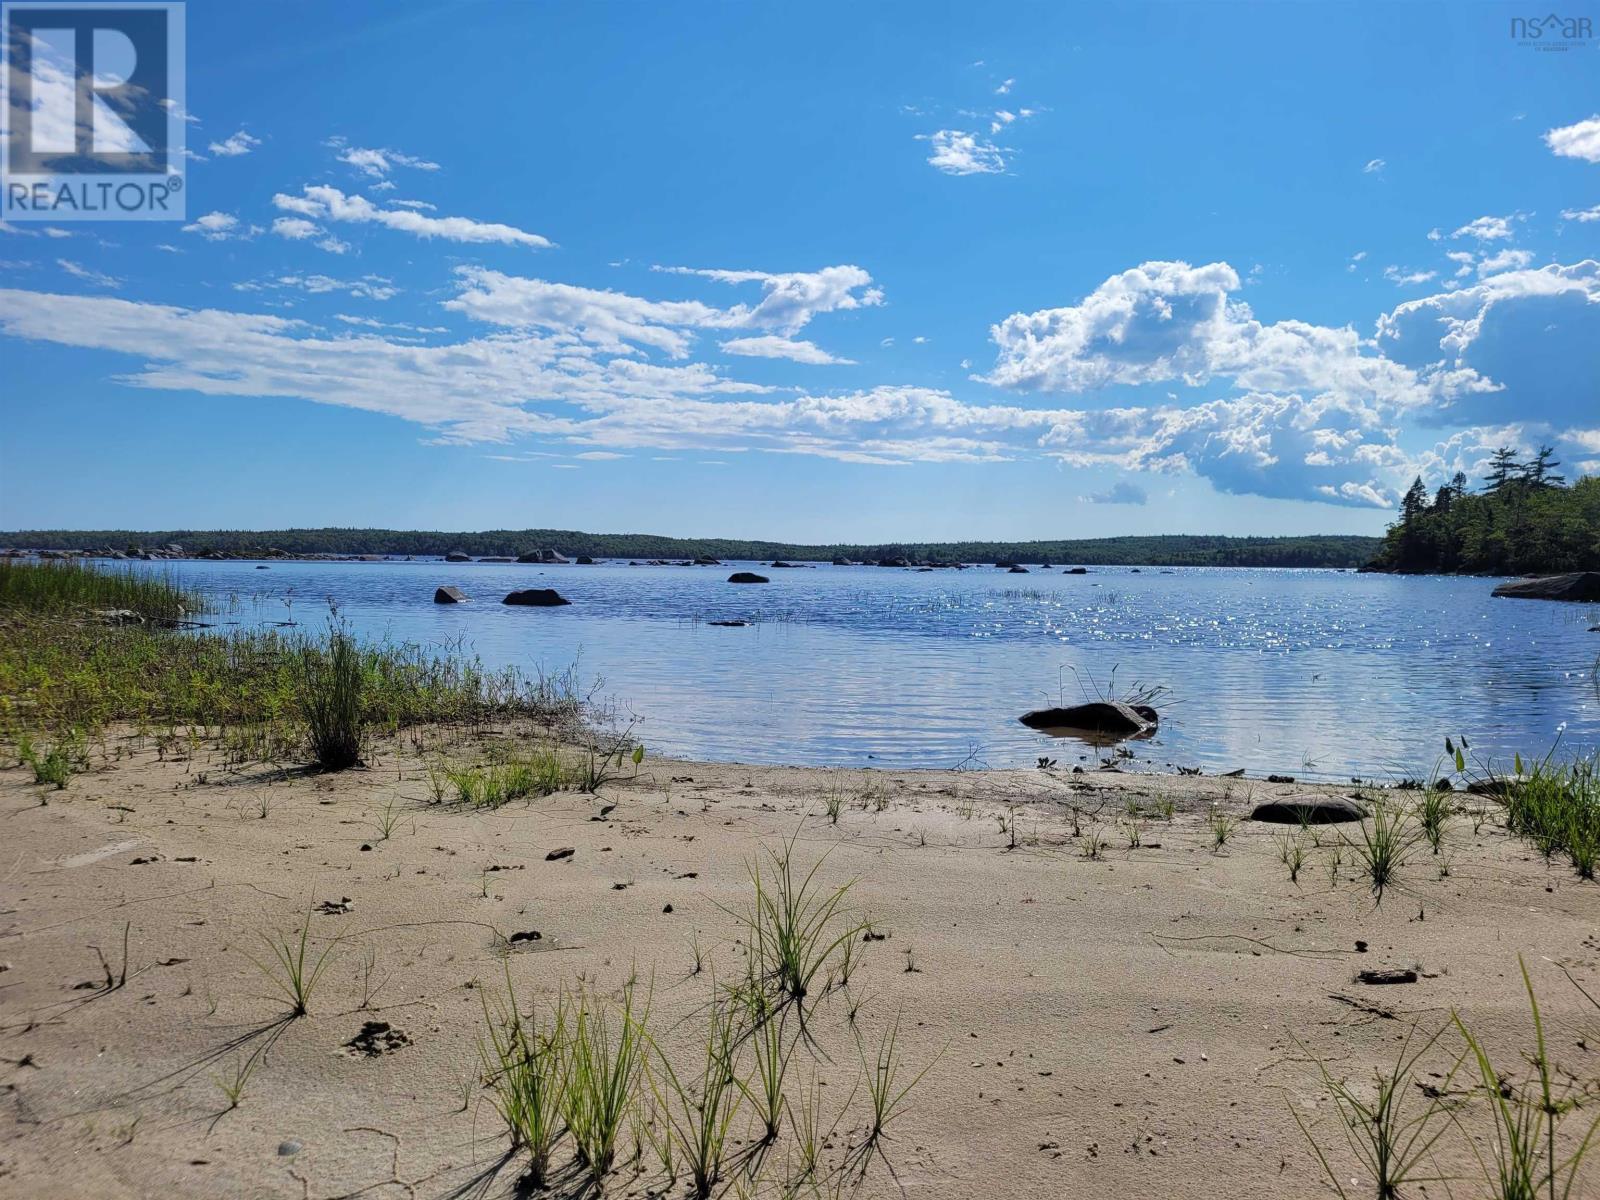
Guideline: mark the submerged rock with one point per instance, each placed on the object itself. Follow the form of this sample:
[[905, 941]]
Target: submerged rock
[[537, 598], [747, 577], [1308, 810], [1019, 569], [1100, 717], [457, 556], [450, 595], [1582, 586]]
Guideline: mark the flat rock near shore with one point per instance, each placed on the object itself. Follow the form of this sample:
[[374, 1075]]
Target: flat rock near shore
[[1580, 586], [1135, 1024]]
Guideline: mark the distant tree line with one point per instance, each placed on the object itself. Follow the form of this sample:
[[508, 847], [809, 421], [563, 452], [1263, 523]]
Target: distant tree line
[[1172, 550], [1525, 520]]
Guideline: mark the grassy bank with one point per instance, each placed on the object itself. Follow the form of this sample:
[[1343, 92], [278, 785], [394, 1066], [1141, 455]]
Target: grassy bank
[[68, 670]]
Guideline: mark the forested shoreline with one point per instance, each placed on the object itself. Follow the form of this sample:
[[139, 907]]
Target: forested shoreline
[[1524, 520], [1174, 550]]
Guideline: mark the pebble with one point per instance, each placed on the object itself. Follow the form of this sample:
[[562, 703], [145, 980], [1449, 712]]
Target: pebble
[[289, 1148]]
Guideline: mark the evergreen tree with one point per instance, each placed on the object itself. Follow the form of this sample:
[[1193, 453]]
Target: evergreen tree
[[1503, 468], [1540, 473]]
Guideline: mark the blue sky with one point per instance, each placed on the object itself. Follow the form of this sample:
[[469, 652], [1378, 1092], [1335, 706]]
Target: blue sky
[[822, 272]]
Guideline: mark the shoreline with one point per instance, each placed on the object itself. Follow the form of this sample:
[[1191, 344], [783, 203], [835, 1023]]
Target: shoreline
[[1094, 1016]]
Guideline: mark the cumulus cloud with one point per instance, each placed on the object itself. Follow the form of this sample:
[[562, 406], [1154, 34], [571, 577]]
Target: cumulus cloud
[[956, 152], [791, 298], [233, 147], [219, 227], [330, 204], [1293, 410], [1487, 229], [1580, 140], [1581, 215], [295, 228]]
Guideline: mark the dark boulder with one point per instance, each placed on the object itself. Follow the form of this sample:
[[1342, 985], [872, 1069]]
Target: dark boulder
[[747, 577], [450, 595], [1017, 570], [1308, 810], [543, 556], [537, 598], [457, 556], [1076, 571], [894, 562], [780, 563], [584, 560], [1101, 718], [842, 562], [495, 558], [705, 560], [1582, 586]]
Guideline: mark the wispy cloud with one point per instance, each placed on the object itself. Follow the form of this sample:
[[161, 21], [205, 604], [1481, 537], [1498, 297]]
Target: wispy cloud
[[376, 163], [330, 204], [78, 271], [1121, 492], [768, 346], [1374, 166]]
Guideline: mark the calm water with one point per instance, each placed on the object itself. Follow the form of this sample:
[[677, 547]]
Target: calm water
[[1315, 673]]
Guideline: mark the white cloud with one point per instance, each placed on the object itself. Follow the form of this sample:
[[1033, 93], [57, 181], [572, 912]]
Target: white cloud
[[369, 287], [1005, 88], [791, 298], [1121, 492], [218, 227], [234, 146], [1504, 260], [295, 228], [376, 163], [1374, 166], [1580, 140], [78, 271], [1487, 229], [1407, 278], [1582, 215], [768, 346], [959, 153], [330, 204]]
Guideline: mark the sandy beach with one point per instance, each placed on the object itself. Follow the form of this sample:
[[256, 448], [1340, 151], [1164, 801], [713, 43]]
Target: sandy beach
[[1093, 1019]]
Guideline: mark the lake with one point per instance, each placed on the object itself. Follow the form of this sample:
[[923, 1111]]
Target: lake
[[1319, 674]]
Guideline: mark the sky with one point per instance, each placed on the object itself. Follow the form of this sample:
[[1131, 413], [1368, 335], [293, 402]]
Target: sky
[[822, 272]]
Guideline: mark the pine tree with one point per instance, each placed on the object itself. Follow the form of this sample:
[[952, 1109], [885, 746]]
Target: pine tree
[[1503, 468], [1539, 472]]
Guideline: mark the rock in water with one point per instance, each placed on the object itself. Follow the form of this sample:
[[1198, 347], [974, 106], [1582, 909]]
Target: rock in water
[[1075, 571], [1100, 717], [450, 595], [457, 556], [543, 556], [747, 577], [1308, 810], [1017, 570], [1582, 586], [537, 598]]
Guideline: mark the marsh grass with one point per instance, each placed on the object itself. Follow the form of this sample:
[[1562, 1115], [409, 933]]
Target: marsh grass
[[331, 683], [1557, 808], [1385, 844], [699, 1114], [1433, 814], [1292, 853], [540, 773], [605, 1053], [71, 587], [295, 972], [264, 693], [794, 925], [886, 1091], [56, 766], [1386, 1131], [1222, 827], [1527, 1159], [764, 1088], [527, 1077]]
